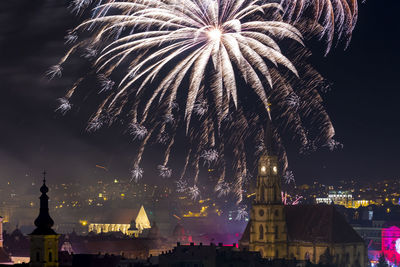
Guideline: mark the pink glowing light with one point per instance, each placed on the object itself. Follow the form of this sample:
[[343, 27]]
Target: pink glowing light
[[391, 244]]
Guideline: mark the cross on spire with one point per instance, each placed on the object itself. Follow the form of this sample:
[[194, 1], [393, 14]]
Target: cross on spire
[[44, 176]]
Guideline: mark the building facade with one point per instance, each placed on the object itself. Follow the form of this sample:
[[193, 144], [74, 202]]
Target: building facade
[[315, 233], [130, 222]]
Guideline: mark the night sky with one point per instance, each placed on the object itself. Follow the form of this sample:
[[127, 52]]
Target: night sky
[[363, 103]]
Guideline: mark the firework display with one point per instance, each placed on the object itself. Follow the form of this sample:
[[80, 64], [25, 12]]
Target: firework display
[[326, 17], [214, 69]]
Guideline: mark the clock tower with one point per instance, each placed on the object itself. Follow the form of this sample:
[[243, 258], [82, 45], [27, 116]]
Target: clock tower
[[268, 231]]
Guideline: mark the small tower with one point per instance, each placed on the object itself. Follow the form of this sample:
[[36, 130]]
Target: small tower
[[1, 231], [268, 231], [4, 257], [44, 240]]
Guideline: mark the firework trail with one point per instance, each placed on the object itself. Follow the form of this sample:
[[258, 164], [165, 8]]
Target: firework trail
[[293, 201], [325, 18], [168, 65]]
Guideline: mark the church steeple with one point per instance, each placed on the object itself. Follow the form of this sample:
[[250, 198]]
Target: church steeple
[[269, 137], [44, 240], [44, 222], [268, 179], [268, 234]]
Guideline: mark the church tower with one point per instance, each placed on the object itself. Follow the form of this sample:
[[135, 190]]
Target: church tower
[[44, 240], [268, 231]]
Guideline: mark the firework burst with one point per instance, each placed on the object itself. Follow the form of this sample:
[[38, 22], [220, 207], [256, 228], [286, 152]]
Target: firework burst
[[181, 186], [164, 171], [222, 188], [54, 71], [288, 177], [171, 59], [138, 131], [194, 192], [210, 156], [136, 174], [64, 106], [332, 144], [241, 213], [327, 17]]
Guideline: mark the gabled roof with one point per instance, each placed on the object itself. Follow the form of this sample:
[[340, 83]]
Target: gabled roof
[[319, 223], [315, 223], [115, 216]]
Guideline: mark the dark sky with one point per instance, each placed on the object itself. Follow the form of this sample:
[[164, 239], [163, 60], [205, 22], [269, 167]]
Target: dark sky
[[363, 103]]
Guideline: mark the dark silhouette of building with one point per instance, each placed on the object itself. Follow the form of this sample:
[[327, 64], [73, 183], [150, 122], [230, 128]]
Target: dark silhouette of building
[[17, 245], [44, 240], [4, 257], [218, 256]]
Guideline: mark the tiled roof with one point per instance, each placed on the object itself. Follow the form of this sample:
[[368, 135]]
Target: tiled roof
[[321, 223], [315, 223], [116, 216]]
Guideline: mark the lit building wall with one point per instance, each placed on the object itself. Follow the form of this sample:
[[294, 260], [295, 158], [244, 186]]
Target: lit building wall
[[343, 198], [323, 200], [108, 227]]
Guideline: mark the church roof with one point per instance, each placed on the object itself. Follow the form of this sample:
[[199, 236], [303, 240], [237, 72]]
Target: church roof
[[321, 223], [115, 215], [315, 223]]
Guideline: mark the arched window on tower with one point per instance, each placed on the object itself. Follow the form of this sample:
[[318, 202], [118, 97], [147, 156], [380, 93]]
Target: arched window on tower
[[50, 257], [307, 256], [261, 233], [37, 256], [276, 231]]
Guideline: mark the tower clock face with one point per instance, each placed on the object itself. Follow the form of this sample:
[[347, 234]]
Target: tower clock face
[[275, 169], [261, 212], [263, 169]]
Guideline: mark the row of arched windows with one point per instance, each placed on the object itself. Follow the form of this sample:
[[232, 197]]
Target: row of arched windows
[[261, 231]]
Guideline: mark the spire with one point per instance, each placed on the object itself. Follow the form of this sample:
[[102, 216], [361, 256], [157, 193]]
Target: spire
[[269, 136], [44, 189], [268, 178], [44, 222]]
